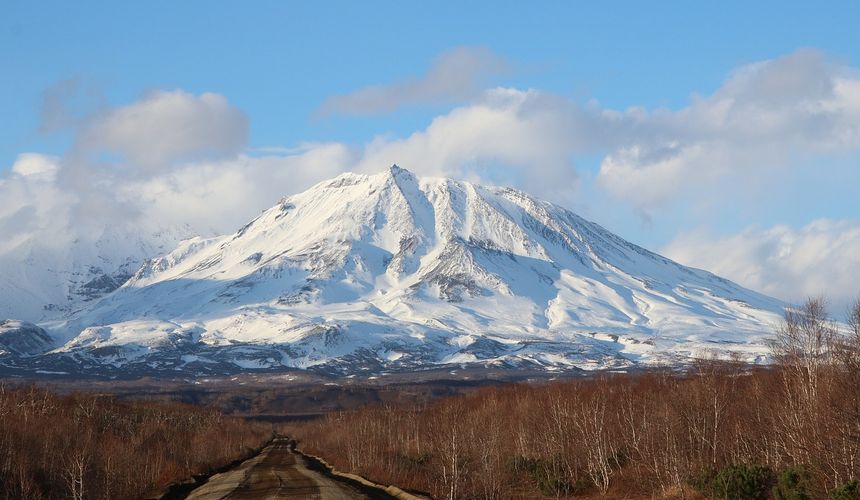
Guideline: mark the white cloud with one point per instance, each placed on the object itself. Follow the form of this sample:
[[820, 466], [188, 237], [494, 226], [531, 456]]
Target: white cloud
[[31, 202], [165, 127], [508, 136], [766, 116], [219, 197], [35, 165], [505, 137], [822, 257], [455, 75], [61, 217], [180, 156], [517, 131], [55, 234], [67, 104]]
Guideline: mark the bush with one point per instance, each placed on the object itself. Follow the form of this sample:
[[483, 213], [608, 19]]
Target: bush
[[792, 484], [737, 482], [414, 460], [545, 477], [848, 491]]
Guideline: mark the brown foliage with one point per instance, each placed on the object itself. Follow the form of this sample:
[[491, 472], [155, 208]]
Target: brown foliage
[[647, 435], [85, 446]]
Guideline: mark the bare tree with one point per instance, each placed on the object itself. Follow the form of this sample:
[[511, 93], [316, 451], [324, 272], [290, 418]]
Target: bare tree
[[845, 405], [76, 467], [802, 345], [591, 421], [849, 347], [803, 350], [450, 432]]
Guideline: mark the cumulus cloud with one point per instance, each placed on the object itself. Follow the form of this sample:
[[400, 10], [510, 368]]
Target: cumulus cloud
[[165, 127], [55, 238], [179, 188], [30, 198], [766, 116], [63, 217], [34, 165], [506, 137], [457, 74], [176, 149], [160, 164], [173, 154], [67, 104], [117, 149], [822, 257], [220, 196]]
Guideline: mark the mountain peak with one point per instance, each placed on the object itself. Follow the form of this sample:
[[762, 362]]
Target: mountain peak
[[395, 170], [401, 177]]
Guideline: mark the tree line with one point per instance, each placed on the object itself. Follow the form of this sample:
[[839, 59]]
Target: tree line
[[719, 429]]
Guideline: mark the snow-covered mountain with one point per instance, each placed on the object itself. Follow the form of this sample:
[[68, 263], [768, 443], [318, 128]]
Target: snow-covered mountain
[[390, 272]]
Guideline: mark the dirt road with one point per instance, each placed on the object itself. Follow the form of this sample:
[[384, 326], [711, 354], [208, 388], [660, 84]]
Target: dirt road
[[279, 472]]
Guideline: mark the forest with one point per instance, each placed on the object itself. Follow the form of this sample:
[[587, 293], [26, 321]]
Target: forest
[[95, 447], [719, 429]]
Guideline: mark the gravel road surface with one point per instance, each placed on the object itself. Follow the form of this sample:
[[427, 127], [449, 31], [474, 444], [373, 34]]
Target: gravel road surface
[[279, 472]]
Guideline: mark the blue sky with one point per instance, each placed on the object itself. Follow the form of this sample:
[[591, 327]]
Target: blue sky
[[282, 64]]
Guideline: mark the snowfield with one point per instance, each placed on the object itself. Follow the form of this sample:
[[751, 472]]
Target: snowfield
[[393, 272]]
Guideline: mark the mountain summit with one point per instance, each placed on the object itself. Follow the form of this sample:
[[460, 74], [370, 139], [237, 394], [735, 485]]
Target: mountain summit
[[370, 273]]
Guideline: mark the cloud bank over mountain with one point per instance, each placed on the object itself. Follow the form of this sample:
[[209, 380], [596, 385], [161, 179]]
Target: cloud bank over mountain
[[822, 257]]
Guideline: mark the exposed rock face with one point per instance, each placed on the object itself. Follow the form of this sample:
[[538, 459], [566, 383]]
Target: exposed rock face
[[22, 338]]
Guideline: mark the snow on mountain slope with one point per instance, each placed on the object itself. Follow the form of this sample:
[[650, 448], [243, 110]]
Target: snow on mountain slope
[[389, 272], [44, 279]]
